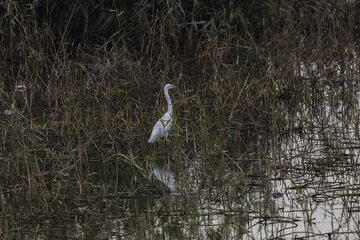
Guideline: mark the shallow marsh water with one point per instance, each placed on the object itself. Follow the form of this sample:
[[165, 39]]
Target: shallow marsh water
[[301, 181], [229, 197]]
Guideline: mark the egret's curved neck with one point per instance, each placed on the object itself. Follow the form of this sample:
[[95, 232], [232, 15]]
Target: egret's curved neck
[[168, 99]]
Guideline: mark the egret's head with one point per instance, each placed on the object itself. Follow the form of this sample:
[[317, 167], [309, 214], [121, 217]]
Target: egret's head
[[169, 86]]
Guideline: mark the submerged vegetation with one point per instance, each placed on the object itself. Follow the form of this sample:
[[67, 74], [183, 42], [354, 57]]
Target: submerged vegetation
[[268, 99]]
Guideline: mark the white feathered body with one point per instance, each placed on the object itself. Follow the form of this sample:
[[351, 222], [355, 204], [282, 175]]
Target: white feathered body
[[161, 128], [163, 125]]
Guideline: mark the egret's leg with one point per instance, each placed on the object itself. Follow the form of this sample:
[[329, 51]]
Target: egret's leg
[[168, 156], [165, 149]]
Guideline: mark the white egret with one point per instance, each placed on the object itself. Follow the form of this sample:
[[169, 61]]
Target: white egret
[[163, 125]]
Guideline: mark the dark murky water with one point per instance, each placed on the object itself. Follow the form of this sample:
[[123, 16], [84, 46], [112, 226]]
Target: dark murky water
[[302, 183]]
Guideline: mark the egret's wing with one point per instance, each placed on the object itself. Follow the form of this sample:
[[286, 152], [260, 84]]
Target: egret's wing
[[161, 128], [157, 132]]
